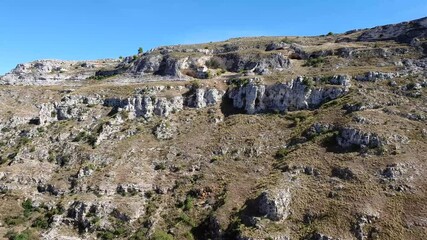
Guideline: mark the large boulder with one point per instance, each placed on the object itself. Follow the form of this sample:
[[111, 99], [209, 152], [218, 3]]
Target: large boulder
[[203, 97], [274, 204], [349, 138]]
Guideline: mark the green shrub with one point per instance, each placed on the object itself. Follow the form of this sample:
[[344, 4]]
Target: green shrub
[[287, 40], [309, 82], [63, 160], [209, 74], [80, 136], [281, 153], [330, 34], [215, 63], [160, 166], [187, 220], [195, 84], [314, 62], [410, 86], [41, 222], [52, 156], [325, 79], [161, 235], [5, 129], [101, 77], [14, 220], [139, 235], [25, 235], [28, 207], [237, 82], [140, 50], [189, 236], [188, 203], [107, 235], [91, 140], [24, 141]]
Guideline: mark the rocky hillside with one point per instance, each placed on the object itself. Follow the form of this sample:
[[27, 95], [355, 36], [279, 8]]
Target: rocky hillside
[[312, 138]]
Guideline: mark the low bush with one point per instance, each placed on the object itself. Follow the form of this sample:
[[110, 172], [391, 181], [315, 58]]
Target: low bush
[[281, 153], [314, 62]]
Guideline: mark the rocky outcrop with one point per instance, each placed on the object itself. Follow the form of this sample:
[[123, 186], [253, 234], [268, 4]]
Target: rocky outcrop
[[274, 204], [349, 138], [343, 173], [394, 171], [166, 65], [82, 214], [374, 76], [415, 66], [146, 64], [170, 66], [106, 130], [359, 228], [402, 32], [317, 129], [70, 107], [47, 113], [276, 46], [164, 131], [48, 72], [256, 62], [146, 106], [203, 97], [297, 94]]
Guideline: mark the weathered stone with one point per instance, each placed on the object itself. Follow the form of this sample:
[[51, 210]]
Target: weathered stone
[[343, 173], [393, 171], [276, 46], [374, 76], [282, 97], [349, 137], [164, 131], [274, 204]]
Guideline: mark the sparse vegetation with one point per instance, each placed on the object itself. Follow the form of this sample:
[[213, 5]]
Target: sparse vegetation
[[215, 63], [314, 62], [160, 235], [287, 40], [222, 164], [281, 153], [24, 235], [309, 82], [237, 82], [195, 84]]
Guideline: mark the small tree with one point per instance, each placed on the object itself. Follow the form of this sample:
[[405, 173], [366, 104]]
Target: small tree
[[140, 50]]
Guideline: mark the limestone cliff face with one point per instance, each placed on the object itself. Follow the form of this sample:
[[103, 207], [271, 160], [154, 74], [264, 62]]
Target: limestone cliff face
[[282, 97], [132, 154], [70, 107], [148, 105]]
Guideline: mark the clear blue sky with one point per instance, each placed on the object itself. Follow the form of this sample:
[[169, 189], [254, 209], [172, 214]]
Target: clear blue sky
[[92, 29]]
